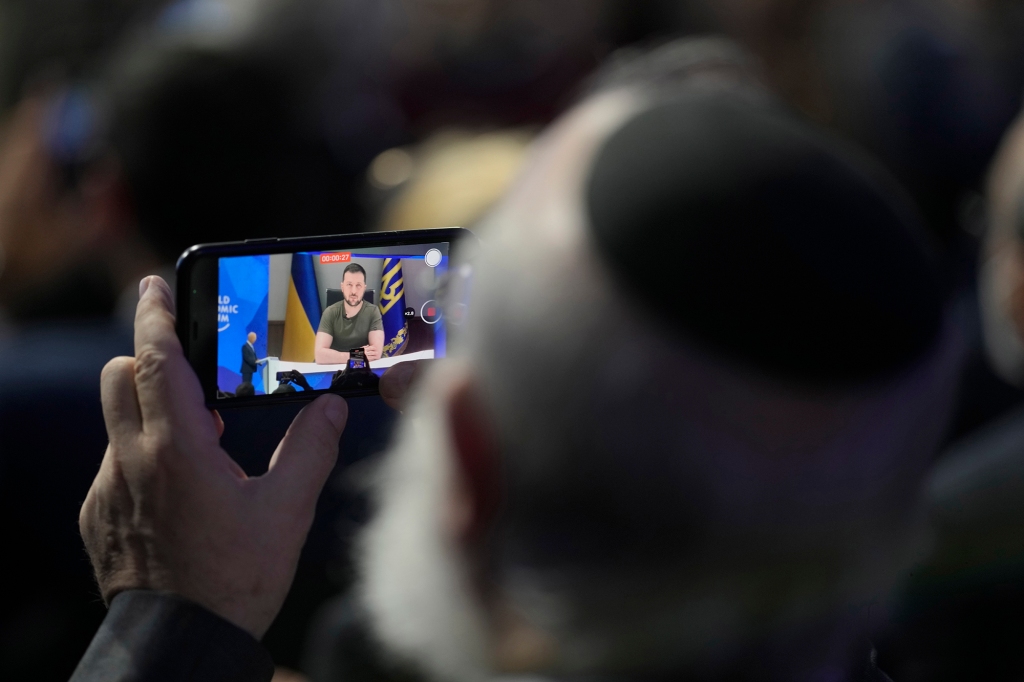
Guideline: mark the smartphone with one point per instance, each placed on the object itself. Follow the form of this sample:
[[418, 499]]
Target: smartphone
[[280, 320]]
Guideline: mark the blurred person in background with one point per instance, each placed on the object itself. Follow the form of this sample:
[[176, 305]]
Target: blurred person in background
[[918, 84], [62, 232], [960, 616], [721, 482], [452, 178], [65, 234], [211, 145], [928, 88]]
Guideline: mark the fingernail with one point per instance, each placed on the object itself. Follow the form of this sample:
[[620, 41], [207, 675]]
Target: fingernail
[[336, 411], [143, 285]]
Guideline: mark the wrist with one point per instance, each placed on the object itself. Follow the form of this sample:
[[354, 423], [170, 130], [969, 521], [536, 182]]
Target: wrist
[[152, 632], [248, 613]]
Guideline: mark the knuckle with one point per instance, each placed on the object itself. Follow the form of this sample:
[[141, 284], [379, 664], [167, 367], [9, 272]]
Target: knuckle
[[150, 364], [154, 444], [86, 514]]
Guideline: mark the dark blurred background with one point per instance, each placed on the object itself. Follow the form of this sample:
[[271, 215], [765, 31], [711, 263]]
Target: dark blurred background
[[130, 130]]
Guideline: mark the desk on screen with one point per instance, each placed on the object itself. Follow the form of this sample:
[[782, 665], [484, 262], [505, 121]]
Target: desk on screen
[[309, 369]]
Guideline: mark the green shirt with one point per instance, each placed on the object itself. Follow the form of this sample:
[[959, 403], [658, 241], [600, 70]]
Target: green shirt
[[350, 332]]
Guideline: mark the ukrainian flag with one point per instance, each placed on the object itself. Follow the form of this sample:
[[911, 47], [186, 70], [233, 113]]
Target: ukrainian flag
[[392, 308], [302, 312]]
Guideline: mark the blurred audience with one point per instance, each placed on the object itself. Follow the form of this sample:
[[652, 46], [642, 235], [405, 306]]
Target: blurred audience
[[661, 496], [61, 230], [960, 615], [129, 131], [450, 179], [61, 233]]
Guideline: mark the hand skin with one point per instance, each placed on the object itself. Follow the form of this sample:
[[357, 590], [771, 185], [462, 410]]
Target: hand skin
[[398, 379], [372, 353], [169, 510]]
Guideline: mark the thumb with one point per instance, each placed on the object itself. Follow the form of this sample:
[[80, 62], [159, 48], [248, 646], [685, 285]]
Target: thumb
[[307, 453]]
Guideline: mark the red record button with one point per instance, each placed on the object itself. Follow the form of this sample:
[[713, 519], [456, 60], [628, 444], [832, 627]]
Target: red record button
[[430, 311]]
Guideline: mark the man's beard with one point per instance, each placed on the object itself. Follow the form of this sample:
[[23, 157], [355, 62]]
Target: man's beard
[[354, 301], [413, 584]]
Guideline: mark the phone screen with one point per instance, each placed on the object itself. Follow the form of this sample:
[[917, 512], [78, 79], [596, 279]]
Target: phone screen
[[319, 320]]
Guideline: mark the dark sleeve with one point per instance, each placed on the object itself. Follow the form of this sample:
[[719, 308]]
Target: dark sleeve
[[377, 323], [158, 637]]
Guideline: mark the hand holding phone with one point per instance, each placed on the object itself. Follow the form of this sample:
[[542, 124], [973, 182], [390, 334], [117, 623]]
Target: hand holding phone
[[171, 511], [293, 378]]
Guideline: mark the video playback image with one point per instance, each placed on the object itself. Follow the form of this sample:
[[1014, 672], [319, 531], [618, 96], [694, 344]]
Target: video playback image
[[337, 320]]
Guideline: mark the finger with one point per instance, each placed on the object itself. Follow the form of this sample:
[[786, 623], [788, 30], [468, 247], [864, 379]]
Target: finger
[[87, 515], [168, 389], [154, 317], [307, 453], [120, 401], [396, 381], [218, 422], [156, 350]]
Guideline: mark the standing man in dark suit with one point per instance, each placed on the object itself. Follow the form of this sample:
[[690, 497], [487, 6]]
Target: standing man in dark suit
[[249, 358]]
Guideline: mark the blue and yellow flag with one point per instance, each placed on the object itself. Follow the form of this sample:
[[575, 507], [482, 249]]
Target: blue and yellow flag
[[302, 312], [392, 308]]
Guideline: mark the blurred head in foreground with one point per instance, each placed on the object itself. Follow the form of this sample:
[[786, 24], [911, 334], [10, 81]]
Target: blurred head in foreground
[[704, 369]]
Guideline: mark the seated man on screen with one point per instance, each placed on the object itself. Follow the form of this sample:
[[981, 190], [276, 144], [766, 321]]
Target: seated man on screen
[[350, 323]]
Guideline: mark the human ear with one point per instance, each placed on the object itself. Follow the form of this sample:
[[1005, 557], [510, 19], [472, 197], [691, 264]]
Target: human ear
[[477, 493]]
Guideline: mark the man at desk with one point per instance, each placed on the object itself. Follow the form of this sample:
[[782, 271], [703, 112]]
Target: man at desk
[[349, 323]]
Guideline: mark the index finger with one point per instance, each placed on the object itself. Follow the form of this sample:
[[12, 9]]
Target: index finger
[[168, 389], [154, 318]]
